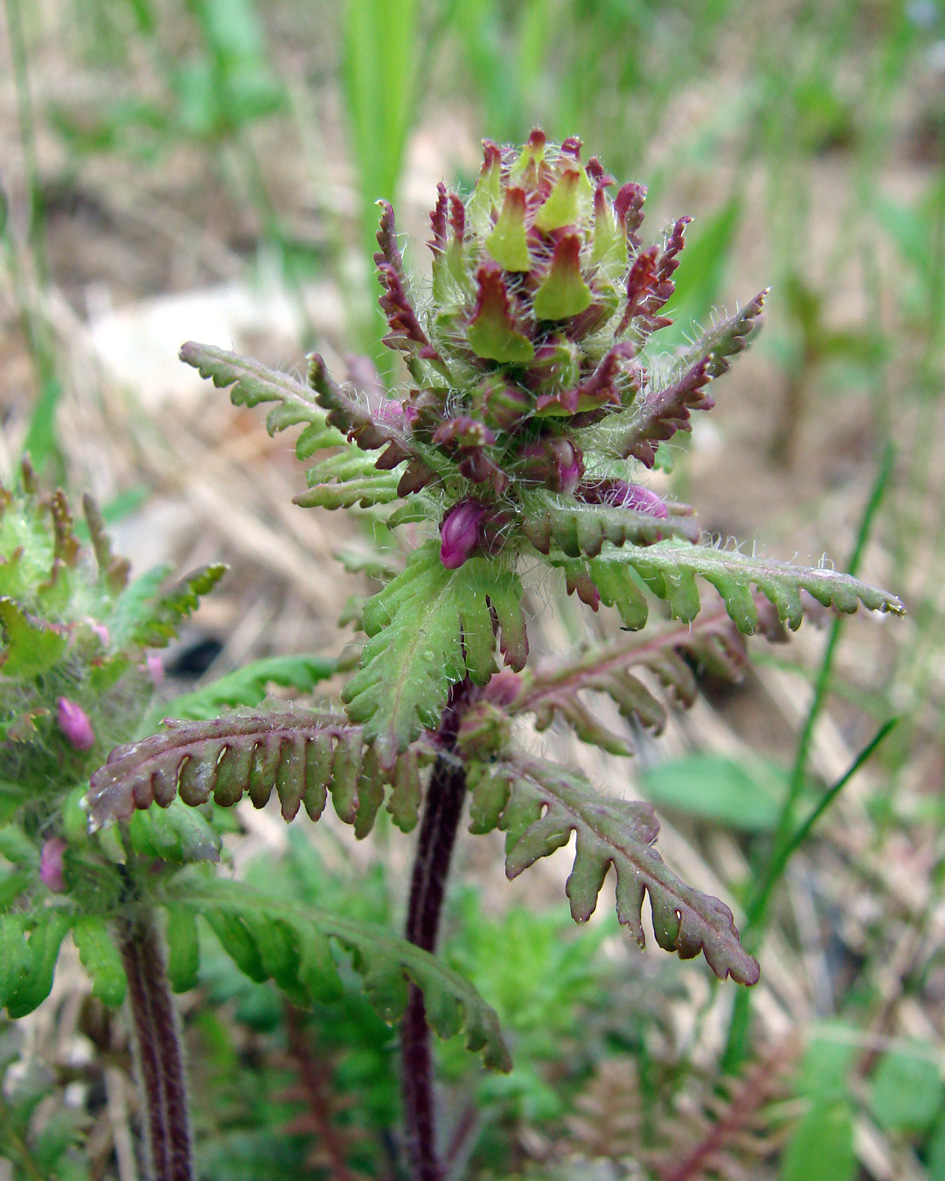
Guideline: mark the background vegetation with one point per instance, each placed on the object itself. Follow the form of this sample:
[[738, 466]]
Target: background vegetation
[[207, 169]]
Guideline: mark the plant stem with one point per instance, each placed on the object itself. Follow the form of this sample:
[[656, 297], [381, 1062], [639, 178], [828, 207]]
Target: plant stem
[[441, 812], [160, 1059]]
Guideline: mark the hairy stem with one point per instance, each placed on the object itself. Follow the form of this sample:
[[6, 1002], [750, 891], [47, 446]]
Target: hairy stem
[[157, 1042], [441, 812]]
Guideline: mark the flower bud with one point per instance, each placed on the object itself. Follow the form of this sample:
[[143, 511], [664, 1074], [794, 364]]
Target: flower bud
[[460, 533], [74, 723], [50, 864]]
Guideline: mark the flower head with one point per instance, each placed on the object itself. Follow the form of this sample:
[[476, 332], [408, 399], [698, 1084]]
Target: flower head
[[530, 383]]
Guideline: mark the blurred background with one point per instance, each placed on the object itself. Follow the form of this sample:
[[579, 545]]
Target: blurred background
[[207, 169]]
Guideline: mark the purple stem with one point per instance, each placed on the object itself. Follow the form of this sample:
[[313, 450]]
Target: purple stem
[[442, 809], [159, 1056]]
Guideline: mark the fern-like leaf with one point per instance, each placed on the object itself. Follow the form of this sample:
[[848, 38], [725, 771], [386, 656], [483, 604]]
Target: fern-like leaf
[[299, 754], [555, 689], [253, 383], [338, 481], [582, 530], [167, 611], [270, 938], [538, 805], [345, 479], [429, 628], [670, 571]]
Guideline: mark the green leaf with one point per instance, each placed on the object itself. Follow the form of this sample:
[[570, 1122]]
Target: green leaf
[[178, 834], [31, 646], [100, 958], [821, 1148], [244, 686], [271, 938], [429, 628], [712, 787], [14, 953], [36, 974], [16, 847], [907, 1090], [670, 570], [539, 805], [183, 949]]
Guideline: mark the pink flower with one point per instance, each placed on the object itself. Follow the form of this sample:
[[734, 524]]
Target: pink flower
[[74, 723], [50, 864], [460, 533]]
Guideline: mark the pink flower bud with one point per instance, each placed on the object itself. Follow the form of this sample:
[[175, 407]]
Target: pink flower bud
[[102, 632], [460, 533], [50, 864], [620, 494], [74, 723], [154, 667]]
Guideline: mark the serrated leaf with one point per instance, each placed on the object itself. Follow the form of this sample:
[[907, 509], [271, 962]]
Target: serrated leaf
[[167, 611], [299, 754], [100, 958], [539, 805], [269, 937], [582, 530], [254, 383], [244, 686], [429, 628], [555, 687], [670, 569]]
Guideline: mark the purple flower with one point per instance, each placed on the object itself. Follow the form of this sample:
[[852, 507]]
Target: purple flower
[[620, 494], [460, 532], [74, 723], [50, 864]]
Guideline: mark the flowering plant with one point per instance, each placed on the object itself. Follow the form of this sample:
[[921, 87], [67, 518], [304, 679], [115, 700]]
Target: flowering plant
[[532, 406]]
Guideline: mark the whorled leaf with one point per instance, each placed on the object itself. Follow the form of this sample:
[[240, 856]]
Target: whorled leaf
[[577, 530], [670, 571], [429, 628], [269, 938], [539, 805], [300, 754]]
